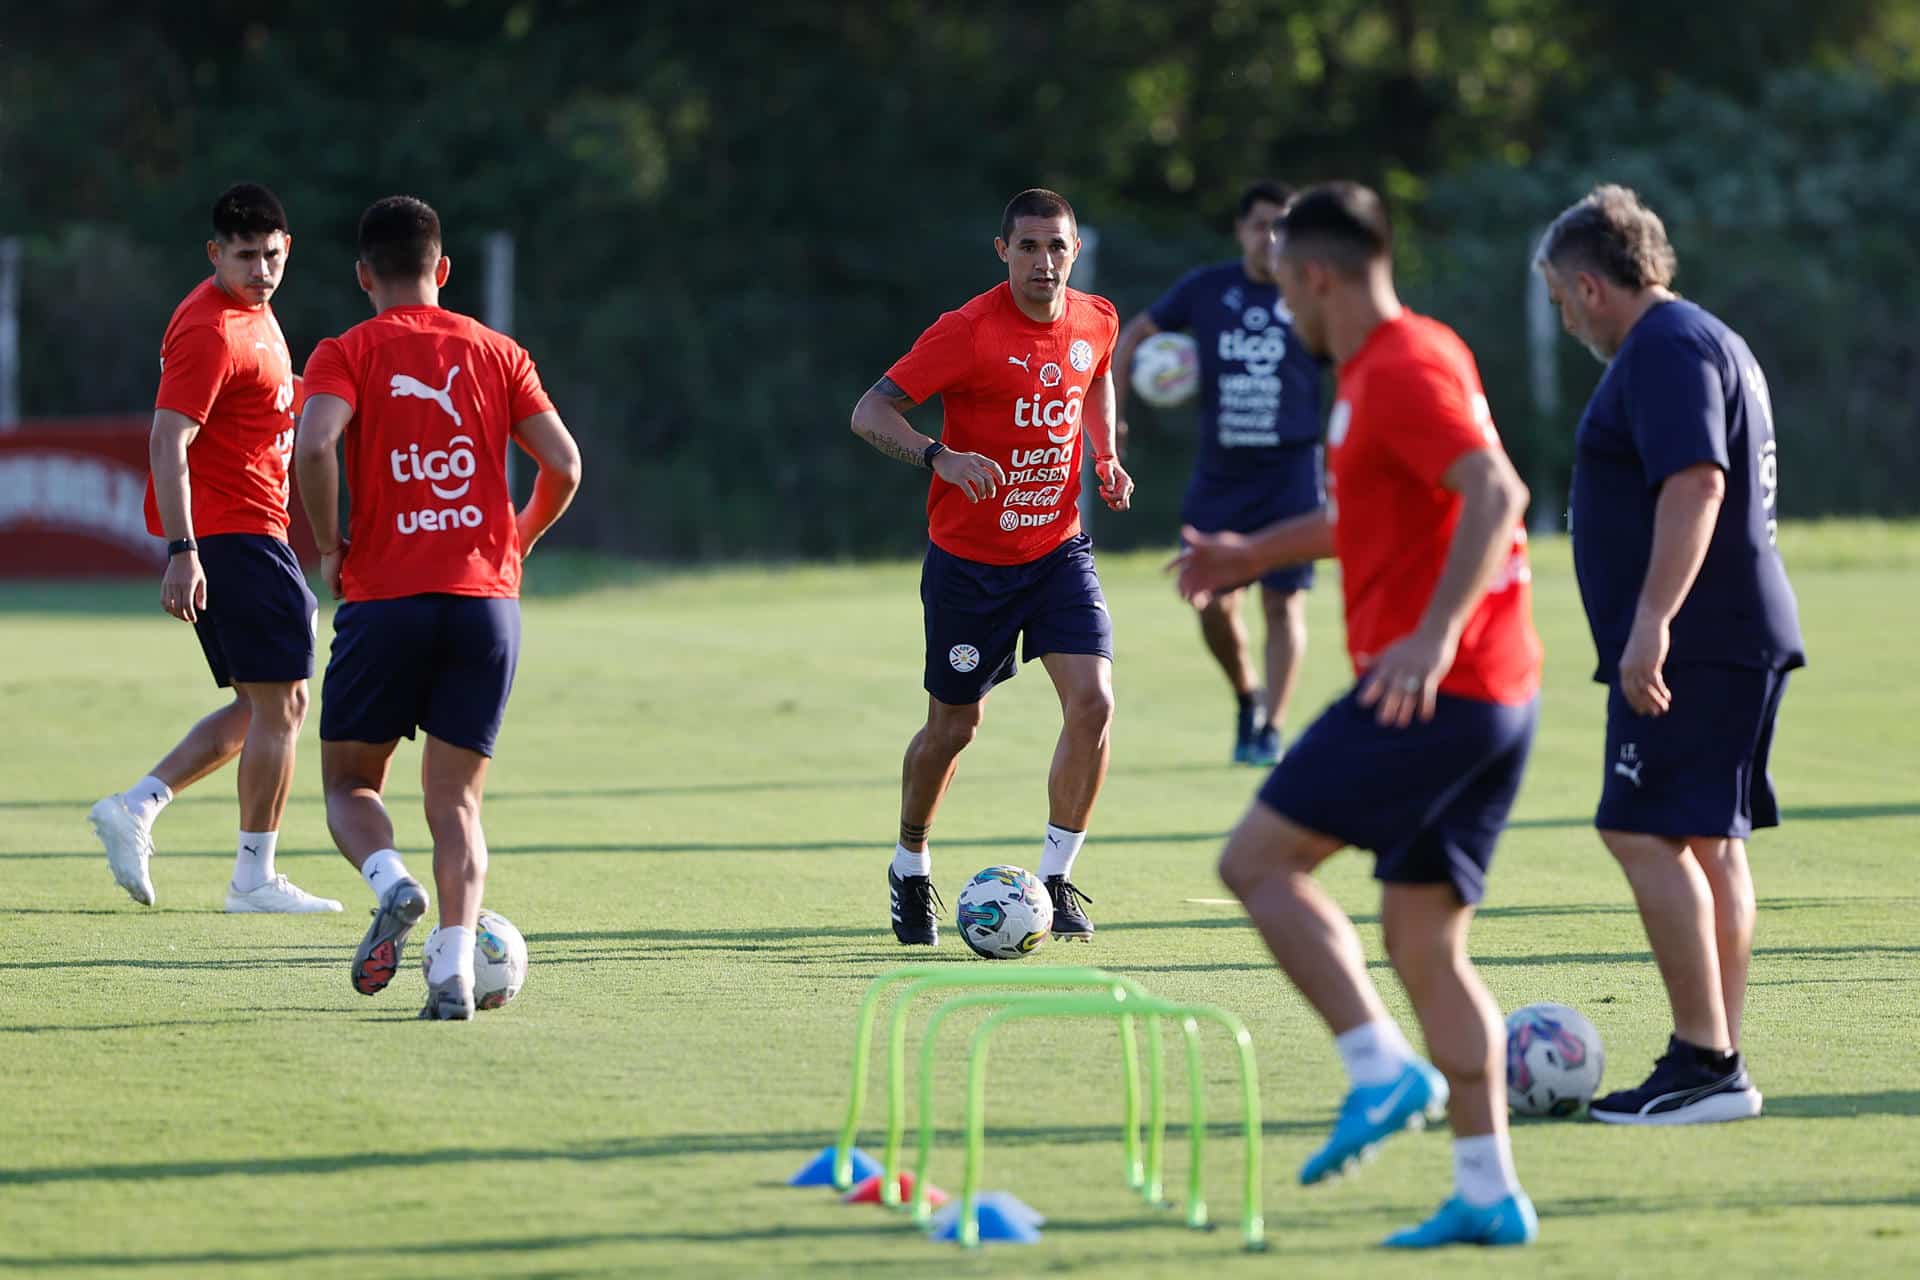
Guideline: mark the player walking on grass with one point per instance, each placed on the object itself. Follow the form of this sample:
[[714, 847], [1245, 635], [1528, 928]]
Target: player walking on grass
[[1259, 458], [1420, 762], [222, 430], [1674, 483], [428, 637], [1023, 372]]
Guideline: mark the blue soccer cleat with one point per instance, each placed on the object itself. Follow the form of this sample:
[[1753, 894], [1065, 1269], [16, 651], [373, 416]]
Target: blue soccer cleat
[[1375, 1112], [1512, 1221]]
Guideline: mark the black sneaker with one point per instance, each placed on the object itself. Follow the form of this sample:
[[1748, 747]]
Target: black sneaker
[[1687, 1086], [914, 899], [1246, 733], [1069, 921]]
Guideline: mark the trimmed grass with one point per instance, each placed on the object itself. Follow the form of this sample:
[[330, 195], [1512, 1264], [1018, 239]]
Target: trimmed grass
[[690, 813]]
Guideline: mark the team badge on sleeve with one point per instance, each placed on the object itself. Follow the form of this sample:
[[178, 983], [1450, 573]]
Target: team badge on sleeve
[[1080, 355]]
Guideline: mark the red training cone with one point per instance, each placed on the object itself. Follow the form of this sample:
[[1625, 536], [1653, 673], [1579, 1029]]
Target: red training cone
[[867, 1191]]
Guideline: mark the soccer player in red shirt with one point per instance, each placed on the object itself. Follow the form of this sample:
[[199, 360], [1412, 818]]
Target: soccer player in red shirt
[[222, 429], [428, 402], [1420, 762], [1023, 373]]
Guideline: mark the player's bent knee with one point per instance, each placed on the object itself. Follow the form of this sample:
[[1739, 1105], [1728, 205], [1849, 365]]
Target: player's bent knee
[[1091, 711], [950, 728]]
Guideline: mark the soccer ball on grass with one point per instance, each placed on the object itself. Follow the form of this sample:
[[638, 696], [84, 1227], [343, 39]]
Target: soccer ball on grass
[[1554, 1060], [499, 960], [1004, 913]]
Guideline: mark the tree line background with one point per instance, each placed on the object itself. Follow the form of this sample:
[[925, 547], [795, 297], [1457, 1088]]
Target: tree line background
[[731, 219]]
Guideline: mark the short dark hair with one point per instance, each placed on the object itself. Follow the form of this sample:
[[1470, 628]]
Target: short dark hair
[[1267, 190], [247, 209], [1612, 233], [400, 238], [1037, 202], [1341, 223]]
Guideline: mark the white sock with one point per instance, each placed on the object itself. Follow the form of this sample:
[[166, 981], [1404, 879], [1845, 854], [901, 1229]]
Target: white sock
[[146, 798], [382, 870], [450, 952], [253, 860], [1373, 1052], [1483, 1172], [908, 863], [1059, 851]]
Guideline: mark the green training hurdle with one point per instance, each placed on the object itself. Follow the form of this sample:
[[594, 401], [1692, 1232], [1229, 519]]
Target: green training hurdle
[[938, 976], [1120, 1005]]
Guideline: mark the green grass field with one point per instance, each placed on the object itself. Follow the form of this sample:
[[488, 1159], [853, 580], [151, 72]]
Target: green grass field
[[689, 816]]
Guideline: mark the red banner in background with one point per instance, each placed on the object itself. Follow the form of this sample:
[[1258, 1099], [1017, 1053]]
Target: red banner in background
[[70, 495]]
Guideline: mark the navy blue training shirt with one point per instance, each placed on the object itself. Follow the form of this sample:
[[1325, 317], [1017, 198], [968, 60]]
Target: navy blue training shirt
[[1683, 389], [1259, 388]]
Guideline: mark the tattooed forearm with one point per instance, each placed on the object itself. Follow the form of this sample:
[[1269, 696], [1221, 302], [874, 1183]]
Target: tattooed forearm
[[879, 420], [892, 448]]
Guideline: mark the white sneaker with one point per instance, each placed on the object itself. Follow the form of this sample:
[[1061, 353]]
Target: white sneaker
[[279, 895], [129, 845]]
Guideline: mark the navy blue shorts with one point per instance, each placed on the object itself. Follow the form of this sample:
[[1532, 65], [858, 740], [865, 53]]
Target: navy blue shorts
[[1249, 502], [1430, 799], [260, 614], [439, 662], [975, 613], [1700, 769]]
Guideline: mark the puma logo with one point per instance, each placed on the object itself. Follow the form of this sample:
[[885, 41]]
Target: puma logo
[[407, 385], [1630, 772], [1021, 362]]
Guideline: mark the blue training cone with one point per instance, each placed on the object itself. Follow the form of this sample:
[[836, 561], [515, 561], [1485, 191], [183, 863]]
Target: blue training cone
[[1002, 1216], [818, 1172]]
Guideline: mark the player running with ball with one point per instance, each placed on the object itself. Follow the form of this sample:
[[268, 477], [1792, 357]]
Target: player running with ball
[[427, 401], [1421, 760], [1022, 372]]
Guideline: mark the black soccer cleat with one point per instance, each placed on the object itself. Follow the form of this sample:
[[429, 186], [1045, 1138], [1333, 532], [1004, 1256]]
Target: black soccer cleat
[[1069, 921], [1688, 1086], [915, 921]]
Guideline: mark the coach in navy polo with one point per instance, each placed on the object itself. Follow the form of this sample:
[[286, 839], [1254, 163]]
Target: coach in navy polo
[[1675, 481]]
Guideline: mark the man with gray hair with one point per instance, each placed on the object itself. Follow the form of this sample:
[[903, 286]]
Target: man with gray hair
[[1674, 488]]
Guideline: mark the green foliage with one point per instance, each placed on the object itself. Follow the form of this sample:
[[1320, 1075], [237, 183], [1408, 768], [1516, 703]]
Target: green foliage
[[730, 220], [1790, 216]]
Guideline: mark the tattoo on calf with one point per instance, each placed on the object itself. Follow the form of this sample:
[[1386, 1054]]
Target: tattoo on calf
[[912, 834]]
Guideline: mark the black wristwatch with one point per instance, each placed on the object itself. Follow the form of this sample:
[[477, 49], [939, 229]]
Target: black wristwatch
[[178, 545], [932, 451]]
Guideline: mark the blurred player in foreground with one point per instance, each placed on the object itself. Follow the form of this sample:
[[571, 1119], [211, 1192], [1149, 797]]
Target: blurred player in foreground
[[1421, 760]]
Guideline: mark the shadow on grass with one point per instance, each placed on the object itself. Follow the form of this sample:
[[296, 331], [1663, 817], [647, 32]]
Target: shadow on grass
[[799, 1144], [1844, 1106]]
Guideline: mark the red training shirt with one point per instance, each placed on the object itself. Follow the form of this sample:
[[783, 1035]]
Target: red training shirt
[[435, 396], [225, 365], [1409, 406], [1013, 389]]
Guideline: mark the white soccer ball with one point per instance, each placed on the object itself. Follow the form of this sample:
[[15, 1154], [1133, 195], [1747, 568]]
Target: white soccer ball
[[499, 960], [1004, 913], [1554, 1060], [1166, 370]]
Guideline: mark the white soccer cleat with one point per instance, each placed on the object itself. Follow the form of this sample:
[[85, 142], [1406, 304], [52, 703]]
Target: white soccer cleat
[[129, 846], [279, 896]]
